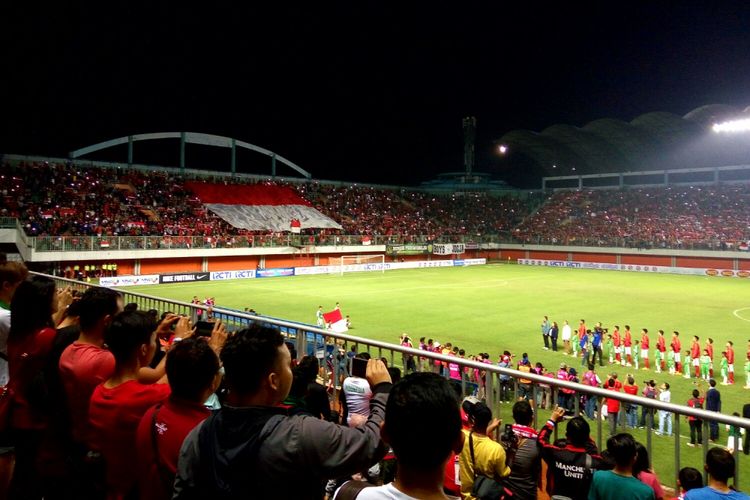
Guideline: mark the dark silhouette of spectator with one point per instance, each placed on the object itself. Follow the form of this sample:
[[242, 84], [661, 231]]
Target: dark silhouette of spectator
[[620, 481], [720, 468]]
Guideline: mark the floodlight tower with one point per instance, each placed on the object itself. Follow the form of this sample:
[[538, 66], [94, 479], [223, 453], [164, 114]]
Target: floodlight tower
[[470, 135]]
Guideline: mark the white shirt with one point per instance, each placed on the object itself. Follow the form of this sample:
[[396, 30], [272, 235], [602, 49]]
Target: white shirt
[[358, 394], [385, 492], [566, 332], [665, 396]]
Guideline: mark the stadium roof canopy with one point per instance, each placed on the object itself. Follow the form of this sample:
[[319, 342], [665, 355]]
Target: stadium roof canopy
[[652, 141]]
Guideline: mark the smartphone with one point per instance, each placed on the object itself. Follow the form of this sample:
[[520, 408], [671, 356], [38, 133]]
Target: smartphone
[[359, 367], [204, 328]]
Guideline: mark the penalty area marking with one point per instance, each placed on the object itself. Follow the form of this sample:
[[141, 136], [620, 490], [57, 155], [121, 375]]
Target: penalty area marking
[[737, 314]]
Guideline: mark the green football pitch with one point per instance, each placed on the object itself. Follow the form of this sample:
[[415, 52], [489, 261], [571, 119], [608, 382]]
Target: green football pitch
[[497, 307]]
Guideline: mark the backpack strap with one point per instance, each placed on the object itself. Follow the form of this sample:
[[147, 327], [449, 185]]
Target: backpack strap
[[351, 489]]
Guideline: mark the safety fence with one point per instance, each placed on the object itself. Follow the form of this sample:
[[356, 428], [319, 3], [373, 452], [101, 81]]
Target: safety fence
[[330, 348]]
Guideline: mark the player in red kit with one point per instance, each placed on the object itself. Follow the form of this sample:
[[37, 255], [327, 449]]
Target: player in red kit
[[627, 343], [695, 354], [710, 351], [644, 348], [730, 361], [676, 345], [661, 346]]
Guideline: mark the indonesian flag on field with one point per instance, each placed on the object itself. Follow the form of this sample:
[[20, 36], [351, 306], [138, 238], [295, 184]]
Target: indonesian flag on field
[[337, 322], [295, 226], [366, 240], [260, 207]]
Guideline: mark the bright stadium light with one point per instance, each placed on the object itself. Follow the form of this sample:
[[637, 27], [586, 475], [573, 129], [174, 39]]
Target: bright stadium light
[[502, 149], [732, 126]]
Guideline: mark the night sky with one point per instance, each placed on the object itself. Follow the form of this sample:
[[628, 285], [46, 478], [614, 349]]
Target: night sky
[[358, 91]]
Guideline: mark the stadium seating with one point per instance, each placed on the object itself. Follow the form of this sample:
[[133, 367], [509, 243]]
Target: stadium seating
[[64, 200]]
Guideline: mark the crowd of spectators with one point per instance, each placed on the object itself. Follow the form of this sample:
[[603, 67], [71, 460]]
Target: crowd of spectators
[[67, 200], [716, 217]]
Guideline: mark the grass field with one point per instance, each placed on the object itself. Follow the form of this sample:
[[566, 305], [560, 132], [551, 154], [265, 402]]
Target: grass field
[[497, 307]]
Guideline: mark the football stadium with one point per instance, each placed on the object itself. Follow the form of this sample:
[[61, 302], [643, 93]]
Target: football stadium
[[200, 312]]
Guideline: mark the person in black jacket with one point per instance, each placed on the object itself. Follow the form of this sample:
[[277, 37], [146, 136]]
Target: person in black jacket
[[571, 463]]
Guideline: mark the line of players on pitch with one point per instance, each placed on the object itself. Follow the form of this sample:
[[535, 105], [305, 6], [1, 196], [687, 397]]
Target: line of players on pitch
[[623, 349]]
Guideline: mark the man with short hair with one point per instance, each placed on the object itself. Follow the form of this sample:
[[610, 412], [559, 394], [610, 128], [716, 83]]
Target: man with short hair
[[546, 326], [525, 465], [619, 482], [665, 417], [481, 455], [250, 449], [193, 372], [720, 467], [425, 401], [572, 463]]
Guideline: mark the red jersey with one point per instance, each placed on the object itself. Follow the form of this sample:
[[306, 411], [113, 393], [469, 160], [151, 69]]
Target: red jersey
[[613, 405], [82, 368], [695, 350], [616, 338], [114, 415], [694, 403], [644, 341], [710, 349], [27, 357], [581, 330], [661, 344], [630, 389], [676, 344], [174, 420], [730, 355], [628, 340]]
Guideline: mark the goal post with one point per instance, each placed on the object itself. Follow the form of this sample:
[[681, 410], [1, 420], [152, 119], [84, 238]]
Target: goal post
[[356, 263]]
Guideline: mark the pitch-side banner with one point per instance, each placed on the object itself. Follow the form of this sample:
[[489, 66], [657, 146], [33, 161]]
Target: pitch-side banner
[[695, 271], [183, 277], [448, 248], [233, 275], [146, 279]]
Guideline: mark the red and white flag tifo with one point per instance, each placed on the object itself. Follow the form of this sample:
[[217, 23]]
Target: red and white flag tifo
[[336, 321]]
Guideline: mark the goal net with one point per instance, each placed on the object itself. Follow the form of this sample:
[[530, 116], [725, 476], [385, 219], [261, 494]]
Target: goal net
[[356, 263]]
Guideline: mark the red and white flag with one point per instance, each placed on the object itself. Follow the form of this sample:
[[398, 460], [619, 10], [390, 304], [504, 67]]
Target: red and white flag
[[260, 207], [336, 321]]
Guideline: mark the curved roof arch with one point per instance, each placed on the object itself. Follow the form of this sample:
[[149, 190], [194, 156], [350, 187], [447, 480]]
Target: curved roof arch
[[631, 142], [595, 153], [667, 128], [712, 113], [189, 138]]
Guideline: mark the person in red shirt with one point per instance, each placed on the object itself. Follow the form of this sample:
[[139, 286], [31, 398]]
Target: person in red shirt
[[695, 355], [730, 360], [644, 348], [617, 341], [30, 342], [118, 404], [627, 343], [193, 373], [613, 405], [676, 345], [631, 410], [710, 350], [86, 363]]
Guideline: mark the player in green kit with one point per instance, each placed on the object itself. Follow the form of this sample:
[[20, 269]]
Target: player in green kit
[[610, 349], [724, 368], [688, 364], [670, 362], [705, 365], [658, 360], [636, 353], [747, 373]]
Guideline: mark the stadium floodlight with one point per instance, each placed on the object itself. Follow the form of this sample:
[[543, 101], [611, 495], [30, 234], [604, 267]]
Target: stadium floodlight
[[732, 126], [502, 149]]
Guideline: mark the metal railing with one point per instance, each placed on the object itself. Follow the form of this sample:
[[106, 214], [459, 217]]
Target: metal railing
[[166, 242], [325, 345]]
